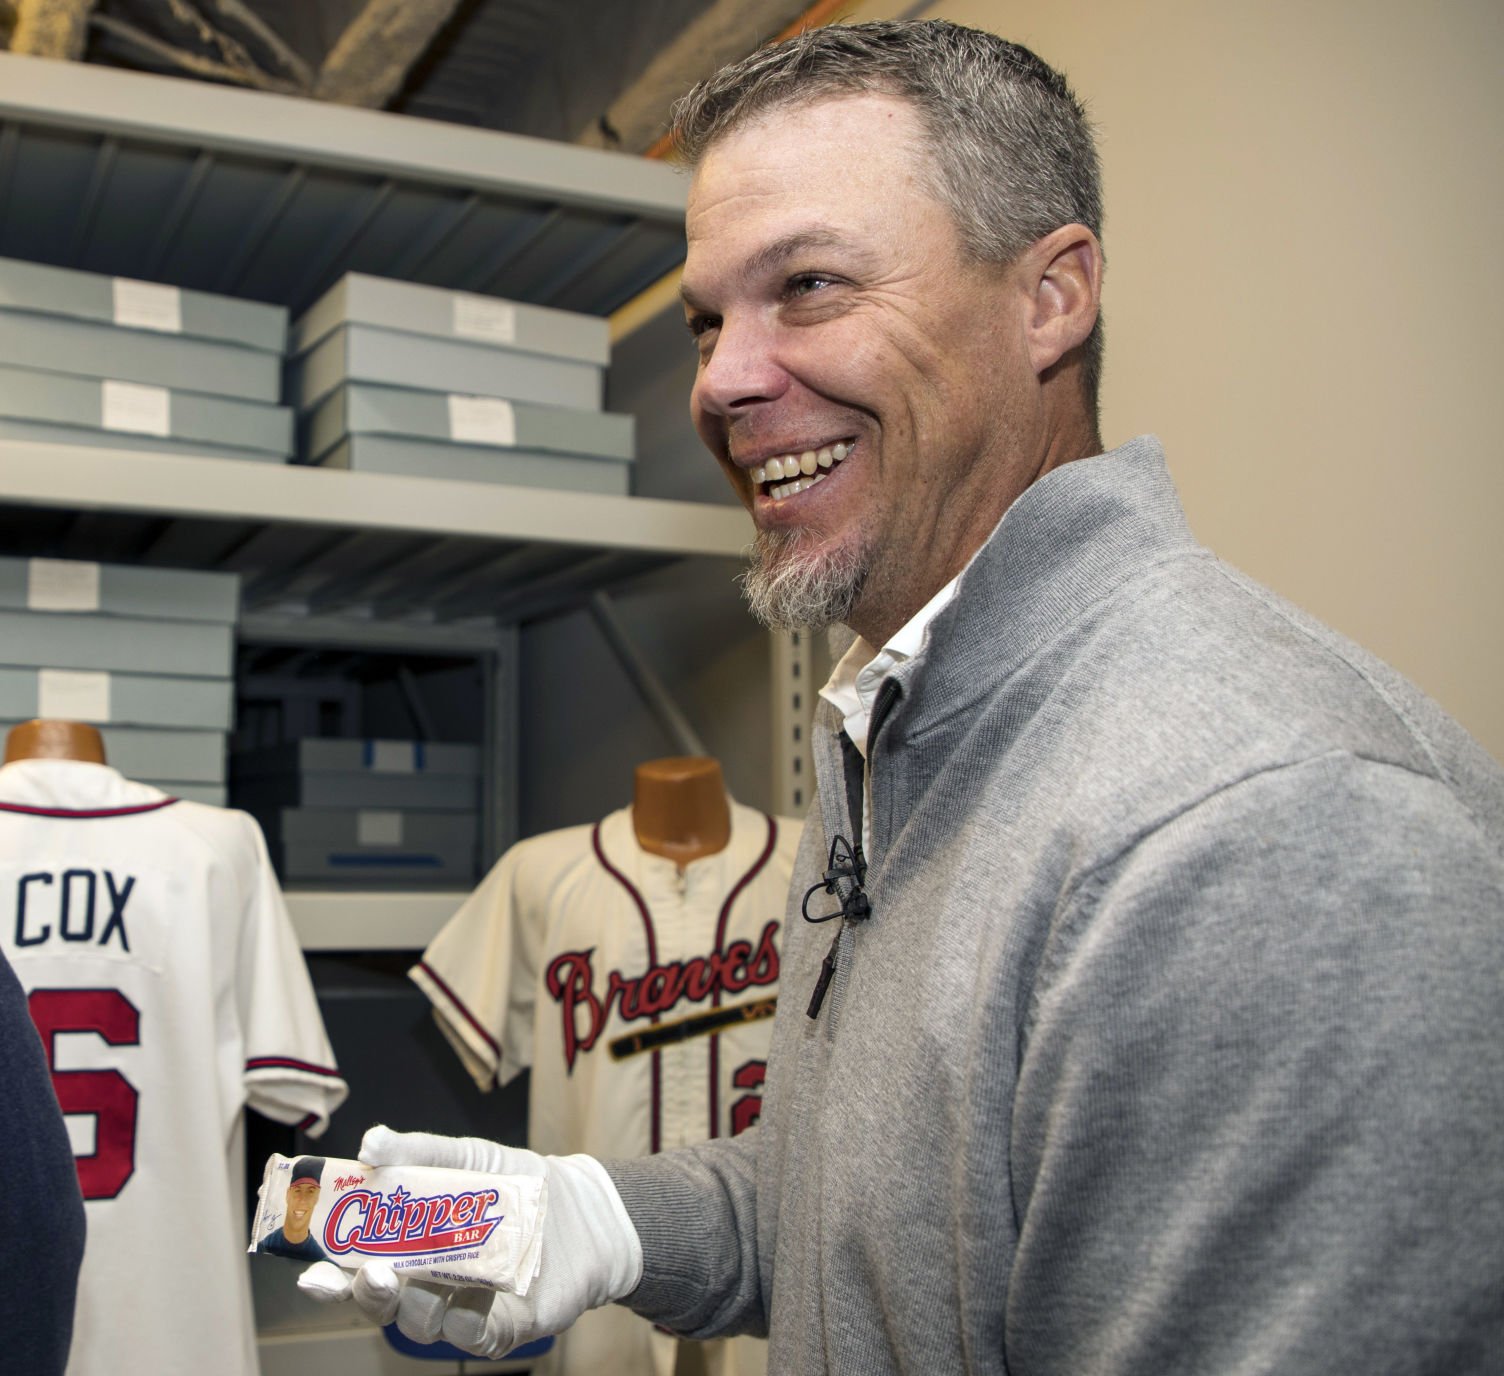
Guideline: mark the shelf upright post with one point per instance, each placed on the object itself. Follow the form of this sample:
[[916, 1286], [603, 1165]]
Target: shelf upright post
[[499, 788], [792, 675]]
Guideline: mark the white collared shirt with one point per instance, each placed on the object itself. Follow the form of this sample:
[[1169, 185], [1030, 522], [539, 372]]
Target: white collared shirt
[[852, 688]]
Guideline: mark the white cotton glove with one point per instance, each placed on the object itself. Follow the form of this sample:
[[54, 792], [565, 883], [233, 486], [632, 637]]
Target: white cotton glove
[[591, 1253]]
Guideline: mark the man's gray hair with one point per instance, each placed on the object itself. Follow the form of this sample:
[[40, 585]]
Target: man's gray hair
[[1013, 153]]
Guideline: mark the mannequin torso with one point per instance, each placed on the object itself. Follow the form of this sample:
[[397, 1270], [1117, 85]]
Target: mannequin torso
[[679, 808]]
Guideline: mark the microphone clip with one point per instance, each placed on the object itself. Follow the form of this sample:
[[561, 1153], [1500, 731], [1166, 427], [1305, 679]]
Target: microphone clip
[[845, 873]]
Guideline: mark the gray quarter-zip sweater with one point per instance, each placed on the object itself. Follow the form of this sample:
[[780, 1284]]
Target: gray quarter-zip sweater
[[1174, 1042]]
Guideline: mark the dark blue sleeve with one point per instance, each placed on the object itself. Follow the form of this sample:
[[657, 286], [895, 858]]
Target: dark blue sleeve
[[41, 1210]]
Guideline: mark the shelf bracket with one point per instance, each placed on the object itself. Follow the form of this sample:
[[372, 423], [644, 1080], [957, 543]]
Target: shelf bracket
[[649, 686], [412, 697]]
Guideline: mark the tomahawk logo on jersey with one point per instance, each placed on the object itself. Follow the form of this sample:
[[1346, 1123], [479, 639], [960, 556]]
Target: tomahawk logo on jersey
[[639, 993], [166, 983]]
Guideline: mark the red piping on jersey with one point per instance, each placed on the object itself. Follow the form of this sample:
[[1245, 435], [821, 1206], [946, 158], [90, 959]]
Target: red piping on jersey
[[460, 1008], [655, 1135], [720, 939], [88, 814], [288, 1063]]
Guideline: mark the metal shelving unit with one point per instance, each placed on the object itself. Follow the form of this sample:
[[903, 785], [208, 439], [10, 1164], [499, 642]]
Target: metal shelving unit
[[274, 198], [412, 554]]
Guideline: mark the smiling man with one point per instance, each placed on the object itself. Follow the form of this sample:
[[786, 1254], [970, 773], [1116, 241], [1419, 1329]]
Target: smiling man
[[1140, 1006], [877, 394], [877, 387]]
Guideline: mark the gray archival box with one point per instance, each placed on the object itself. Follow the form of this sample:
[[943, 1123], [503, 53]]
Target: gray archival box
[[446, 314], [366, 756], [366, 409], [301, 863], [92, 296], [85, 349], [199, 704], [348, 828], [72, 640], [123, 439], [192, 419], [356, 789], [358, 774], [128, 590], [474, 463], [367, 353]]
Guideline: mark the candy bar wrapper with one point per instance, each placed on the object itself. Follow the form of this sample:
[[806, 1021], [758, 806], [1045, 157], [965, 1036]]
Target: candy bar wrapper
[[454, 1227]]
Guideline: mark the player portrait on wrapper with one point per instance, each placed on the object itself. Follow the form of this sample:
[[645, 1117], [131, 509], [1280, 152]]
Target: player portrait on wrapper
[[293, 1238]]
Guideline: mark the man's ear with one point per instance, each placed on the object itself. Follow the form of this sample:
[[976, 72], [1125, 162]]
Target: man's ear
[[1062, 272]]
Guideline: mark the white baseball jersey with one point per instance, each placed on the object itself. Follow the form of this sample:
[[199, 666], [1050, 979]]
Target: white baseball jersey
[[640, 992], [167, 984]]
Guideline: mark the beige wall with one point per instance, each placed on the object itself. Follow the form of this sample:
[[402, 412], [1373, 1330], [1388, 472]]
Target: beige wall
[[1305, 296]]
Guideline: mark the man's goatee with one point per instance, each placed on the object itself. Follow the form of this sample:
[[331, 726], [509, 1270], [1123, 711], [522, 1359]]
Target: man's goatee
[[789, 588]]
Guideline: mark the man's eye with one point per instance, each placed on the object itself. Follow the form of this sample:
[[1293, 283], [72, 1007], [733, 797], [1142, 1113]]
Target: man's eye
[[700, 324], [807, 282]]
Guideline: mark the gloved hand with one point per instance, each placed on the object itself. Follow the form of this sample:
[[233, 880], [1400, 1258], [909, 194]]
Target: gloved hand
[[591, 1253]]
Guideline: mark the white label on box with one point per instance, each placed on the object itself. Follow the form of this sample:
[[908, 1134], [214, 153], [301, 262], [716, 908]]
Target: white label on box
[[484, 317], [148, 305], [394, 757], [482, 420], [73, 695], [378, 828], [133, 406], [62, 585]]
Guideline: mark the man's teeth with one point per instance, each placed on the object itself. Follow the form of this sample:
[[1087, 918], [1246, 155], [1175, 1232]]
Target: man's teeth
[[803, 470]]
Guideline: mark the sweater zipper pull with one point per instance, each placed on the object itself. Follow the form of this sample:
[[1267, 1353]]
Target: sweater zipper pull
[[827, 973]]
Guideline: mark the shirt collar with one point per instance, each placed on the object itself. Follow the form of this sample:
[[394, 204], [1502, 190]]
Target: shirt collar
[[853, 684]]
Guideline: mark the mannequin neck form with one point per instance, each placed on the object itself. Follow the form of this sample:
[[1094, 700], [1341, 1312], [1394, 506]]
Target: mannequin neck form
[[679, 808], [54, 740]]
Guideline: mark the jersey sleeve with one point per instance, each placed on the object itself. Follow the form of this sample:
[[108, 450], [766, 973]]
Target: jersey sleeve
[[479, 973], [290, 1071]]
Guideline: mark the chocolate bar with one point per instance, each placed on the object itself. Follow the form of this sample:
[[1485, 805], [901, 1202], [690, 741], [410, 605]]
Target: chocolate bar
[[454, 1227]]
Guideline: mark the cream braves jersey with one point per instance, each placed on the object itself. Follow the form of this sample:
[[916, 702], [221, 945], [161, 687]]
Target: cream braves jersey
[[640, 992], [167, 984]]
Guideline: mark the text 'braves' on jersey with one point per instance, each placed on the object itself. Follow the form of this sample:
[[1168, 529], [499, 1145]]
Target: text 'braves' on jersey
[[165, 979], [638, 991]]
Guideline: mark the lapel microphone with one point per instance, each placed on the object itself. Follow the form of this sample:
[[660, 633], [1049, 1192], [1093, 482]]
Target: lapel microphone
[[845, 873]]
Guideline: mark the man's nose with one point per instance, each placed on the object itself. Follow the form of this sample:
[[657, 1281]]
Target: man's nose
[[743, 368]]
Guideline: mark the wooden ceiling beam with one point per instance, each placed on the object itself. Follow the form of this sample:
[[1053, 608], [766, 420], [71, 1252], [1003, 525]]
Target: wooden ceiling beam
[[371, 59], [724, 31], [51, 28]]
